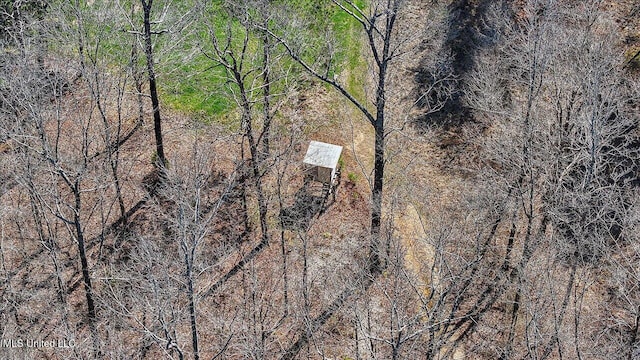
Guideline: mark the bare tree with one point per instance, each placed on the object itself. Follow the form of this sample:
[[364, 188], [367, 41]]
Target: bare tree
[[189, 220], [378, 24], [189, 206], [557, 129], [175, 19], [64, 153], [249, 77], [147, 6]]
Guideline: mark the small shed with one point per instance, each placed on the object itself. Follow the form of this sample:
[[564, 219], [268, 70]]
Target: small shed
[[321, 161]]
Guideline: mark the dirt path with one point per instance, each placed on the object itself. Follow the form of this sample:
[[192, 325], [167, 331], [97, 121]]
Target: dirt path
[[415, 189], [420, 255]]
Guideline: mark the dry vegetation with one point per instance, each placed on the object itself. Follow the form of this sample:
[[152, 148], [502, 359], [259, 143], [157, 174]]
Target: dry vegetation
[[508, 230]]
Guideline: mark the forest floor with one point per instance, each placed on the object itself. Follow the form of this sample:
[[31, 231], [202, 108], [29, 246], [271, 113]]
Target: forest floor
[[418, 187], [425, 179]]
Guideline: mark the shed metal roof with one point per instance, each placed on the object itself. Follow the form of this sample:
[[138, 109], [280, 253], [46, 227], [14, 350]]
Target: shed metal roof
[[323, 154]]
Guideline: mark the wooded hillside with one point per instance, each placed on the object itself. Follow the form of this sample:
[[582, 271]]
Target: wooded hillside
[[154, 202]]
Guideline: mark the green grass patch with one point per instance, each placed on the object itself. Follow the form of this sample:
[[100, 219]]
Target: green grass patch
[[193, 84], [188, 81], [349, 37], [197, 87]]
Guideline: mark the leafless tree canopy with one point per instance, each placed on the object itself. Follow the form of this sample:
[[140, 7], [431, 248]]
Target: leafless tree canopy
[[153, 202]]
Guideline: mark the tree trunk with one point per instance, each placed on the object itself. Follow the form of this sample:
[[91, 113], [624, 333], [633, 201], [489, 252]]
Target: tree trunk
[[375, 265], [153, 90], [192, 309], [266, 94], [86, 277]]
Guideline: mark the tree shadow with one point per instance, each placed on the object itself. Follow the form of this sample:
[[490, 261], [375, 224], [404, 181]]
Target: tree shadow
[[309, 201], [470, 29]]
